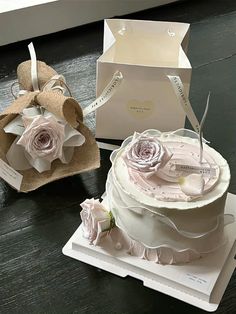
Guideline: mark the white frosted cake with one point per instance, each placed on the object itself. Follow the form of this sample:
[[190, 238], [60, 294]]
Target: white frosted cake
[[164, 199]]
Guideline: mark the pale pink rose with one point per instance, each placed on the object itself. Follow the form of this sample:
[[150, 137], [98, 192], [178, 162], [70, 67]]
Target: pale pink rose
[[146, 154], [43, 137], [96, 220]]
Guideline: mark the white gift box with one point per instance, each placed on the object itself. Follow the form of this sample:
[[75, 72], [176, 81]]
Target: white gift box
[[145, 52]]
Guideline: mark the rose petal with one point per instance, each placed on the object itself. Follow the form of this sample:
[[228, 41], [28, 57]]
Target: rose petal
[[27, 120], [192, 185], [102, 231], [168, 155], [39, 164]]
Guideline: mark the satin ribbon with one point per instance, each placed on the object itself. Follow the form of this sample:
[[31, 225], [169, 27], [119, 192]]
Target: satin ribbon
[[179, 90], [51, 84], [106, 94], [34, 70]]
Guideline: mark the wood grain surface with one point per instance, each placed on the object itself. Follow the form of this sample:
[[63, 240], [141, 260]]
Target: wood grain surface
[[34, 275]]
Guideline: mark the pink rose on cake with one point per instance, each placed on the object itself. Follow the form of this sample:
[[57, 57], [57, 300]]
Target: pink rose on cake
[[96, 220], [146, 154]]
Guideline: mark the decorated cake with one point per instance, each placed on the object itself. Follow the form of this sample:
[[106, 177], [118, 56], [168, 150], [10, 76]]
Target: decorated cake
[[164, 200]]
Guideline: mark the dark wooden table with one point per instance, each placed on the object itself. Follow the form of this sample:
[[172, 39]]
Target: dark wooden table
[[34, 275]]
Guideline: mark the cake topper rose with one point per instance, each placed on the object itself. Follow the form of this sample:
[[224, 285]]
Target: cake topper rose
[[146, 154]]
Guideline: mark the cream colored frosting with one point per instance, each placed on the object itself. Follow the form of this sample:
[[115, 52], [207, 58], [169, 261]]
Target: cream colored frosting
[[164, 184], [193, 227]]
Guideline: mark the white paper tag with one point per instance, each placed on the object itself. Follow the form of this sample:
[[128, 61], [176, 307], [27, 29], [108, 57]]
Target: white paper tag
[[107, 93], [10, 175], [211, 172], [184, 101]]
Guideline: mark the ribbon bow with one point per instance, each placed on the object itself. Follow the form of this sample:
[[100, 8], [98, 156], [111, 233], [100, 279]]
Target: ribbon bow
[[54, 83]]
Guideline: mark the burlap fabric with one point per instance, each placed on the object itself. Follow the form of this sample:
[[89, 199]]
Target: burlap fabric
[[86, 157]]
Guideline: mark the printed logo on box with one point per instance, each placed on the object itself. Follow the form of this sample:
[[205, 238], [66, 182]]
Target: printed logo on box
[[140, 109]]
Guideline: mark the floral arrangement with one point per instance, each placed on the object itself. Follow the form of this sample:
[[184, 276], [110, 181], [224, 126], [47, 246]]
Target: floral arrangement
[[42, 134], [41, 139]]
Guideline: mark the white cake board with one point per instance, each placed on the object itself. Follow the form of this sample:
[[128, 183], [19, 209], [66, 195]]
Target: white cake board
[[201, 283]]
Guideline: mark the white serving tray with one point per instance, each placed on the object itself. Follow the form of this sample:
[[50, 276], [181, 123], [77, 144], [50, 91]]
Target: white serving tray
[[201, 283]]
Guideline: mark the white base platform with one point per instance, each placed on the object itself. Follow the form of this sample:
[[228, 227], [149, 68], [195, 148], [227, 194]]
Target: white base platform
[[201, 283]]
